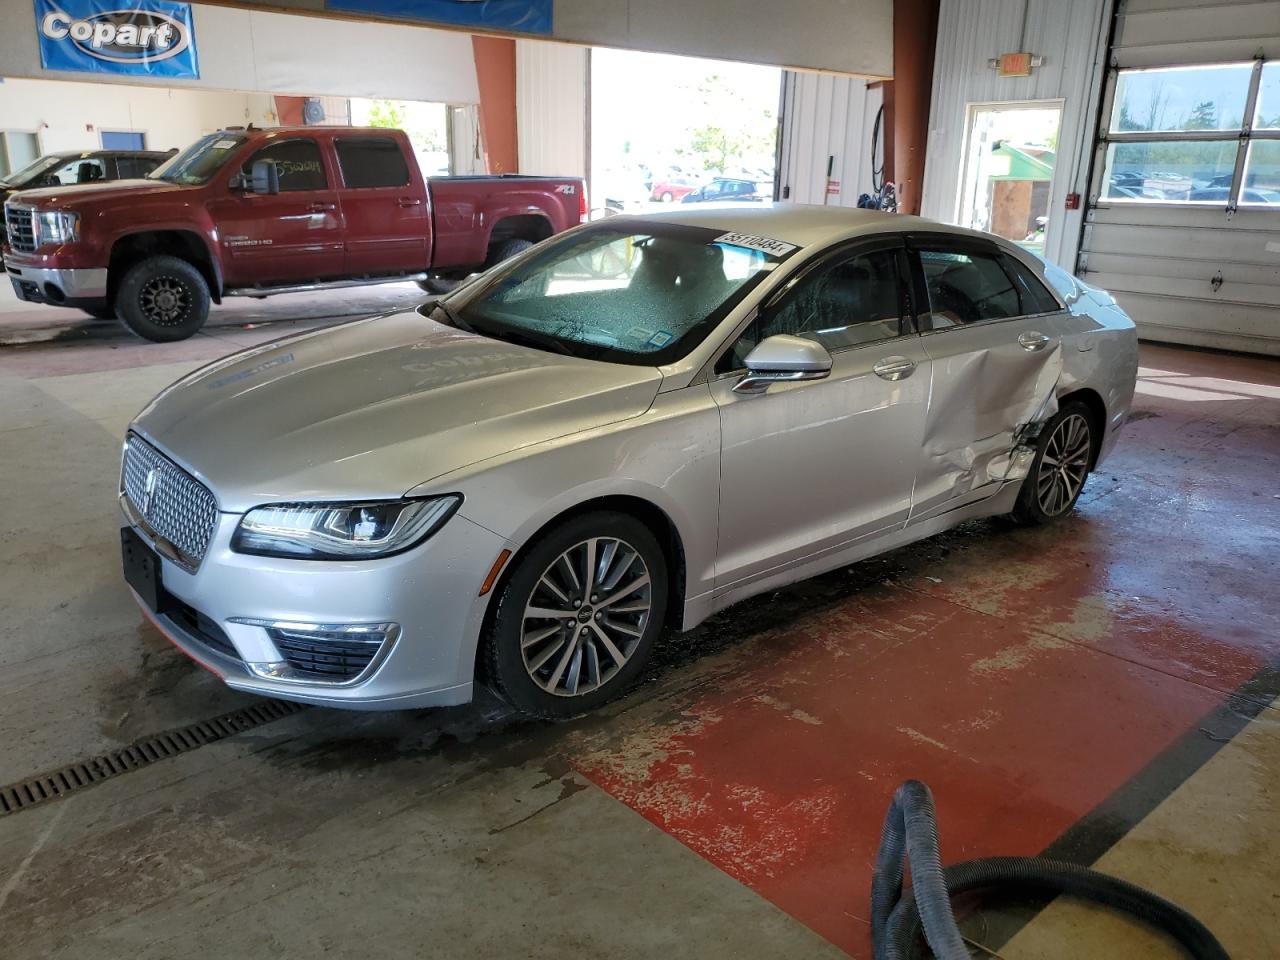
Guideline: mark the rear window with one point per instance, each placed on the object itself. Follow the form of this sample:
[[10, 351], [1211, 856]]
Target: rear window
[[372, 162], [967, 287], [1035, 296]]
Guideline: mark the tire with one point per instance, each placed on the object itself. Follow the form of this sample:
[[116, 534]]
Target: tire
[[506, 250], [558, 667], [439, 285], [163, 299], [667, 196], [104, 312], [1048, 494]]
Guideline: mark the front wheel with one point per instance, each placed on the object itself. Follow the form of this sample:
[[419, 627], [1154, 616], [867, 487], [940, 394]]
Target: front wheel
[[163, 299], [1064, 455], [667, 196], [576, 620]]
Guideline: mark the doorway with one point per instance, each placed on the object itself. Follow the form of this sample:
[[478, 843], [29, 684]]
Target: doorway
[[1009, 161]]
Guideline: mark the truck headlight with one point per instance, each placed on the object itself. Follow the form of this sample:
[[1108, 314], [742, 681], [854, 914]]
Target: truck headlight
[[341, 531], [56, 226]]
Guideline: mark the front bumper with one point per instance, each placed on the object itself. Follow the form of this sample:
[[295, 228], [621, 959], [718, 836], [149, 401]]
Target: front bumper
[[59, 287], [430, 592]]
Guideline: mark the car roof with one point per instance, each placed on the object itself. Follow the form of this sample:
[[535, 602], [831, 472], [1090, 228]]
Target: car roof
[[805, 225]]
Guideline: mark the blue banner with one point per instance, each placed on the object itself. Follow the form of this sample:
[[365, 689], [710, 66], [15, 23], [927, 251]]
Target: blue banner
[[523, 16], [147, 38]]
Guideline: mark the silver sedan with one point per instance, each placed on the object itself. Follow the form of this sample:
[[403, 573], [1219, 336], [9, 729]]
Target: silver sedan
[[629, 427]]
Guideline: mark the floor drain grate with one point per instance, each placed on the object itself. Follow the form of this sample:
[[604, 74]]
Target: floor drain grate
[[87, 773]]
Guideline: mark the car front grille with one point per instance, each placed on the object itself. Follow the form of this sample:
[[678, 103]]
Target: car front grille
[[174, 505], [336, 657], [20, 228]]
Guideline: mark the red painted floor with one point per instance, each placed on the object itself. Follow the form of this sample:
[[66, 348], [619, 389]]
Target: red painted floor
[[1023, 674]]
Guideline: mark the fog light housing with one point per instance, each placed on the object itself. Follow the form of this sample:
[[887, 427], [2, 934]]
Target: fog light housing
[[330, 653]]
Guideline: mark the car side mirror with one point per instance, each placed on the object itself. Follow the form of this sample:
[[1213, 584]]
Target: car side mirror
[[265, 178], [783, 359]]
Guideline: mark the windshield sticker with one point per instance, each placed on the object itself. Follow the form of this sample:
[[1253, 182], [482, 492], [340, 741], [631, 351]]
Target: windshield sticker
[[660, 339], [224, 145], [639, 333], [775, 248]]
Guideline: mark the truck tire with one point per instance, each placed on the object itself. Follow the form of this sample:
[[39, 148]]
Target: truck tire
[[440, 285], [506, 250], [163, 299]]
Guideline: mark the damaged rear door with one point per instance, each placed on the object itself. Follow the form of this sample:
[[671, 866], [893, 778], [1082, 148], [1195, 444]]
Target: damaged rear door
[[994, 335]]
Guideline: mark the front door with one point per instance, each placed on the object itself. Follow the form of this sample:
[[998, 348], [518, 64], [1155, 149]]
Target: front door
[[993, 333], [294, 236], [807, 467]]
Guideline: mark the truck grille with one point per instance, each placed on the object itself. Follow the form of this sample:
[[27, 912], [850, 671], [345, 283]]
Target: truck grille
[[175, 505], [20, 228]]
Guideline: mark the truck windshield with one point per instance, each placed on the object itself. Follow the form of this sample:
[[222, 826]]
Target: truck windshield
[[643, 292], [199, 162]]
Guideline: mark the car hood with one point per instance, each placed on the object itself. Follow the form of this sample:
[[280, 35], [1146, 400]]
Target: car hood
[[370, 409], [76, 195]]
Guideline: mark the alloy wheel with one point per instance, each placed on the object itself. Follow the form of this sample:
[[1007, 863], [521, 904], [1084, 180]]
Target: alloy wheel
[[1064, 465], [164, 301], [585, 616]]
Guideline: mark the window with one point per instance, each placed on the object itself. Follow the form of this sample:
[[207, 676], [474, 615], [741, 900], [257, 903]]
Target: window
[[1182, 135], [1034, 296], [199, 162], [18, 150], [372, 162], [845, 303], [129, 168], [298, 162], [966, 287], [80, 170]]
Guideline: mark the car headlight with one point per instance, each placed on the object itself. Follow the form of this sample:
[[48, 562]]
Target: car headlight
[[341, 531], [56, 226]]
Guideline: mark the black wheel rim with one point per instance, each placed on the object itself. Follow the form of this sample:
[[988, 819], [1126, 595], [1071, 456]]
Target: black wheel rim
[[165, 301], [1064, 465]]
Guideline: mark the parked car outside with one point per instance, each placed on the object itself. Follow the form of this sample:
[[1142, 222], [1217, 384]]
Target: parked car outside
[[672, 188], [728, 189], [82, 166], [528, 480], [249, 212]]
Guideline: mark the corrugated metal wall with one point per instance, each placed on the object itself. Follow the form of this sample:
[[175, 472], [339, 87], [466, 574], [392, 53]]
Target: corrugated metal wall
[[1069, 35], [1161, 260], [826, 116], [552, 85]]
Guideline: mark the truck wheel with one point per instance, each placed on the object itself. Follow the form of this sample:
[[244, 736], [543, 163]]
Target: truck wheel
[[439, 285], [506, 250], [163, 299]]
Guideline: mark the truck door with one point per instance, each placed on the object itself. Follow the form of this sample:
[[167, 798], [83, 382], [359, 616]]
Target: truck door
[[384, 202], [294, 236]]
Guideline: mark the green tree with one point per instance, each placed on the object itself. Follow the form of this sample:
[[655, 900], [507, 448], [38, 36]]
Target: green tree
[[738, 133], [386, 113], [1204, 116]]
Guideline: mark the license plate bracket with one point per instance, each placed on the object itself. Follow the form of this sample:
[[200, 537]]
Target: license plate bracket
[[142, 570]]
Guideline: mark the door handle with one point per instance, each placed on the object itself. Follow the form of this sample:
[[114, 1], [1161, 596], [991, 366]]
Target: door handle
[[1031, 340], [410, 201], [320, 207], [894, 368]]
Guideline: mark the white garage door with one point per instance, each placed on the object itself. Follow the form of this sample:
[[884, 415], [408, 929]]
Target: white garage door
[[1184, 218]]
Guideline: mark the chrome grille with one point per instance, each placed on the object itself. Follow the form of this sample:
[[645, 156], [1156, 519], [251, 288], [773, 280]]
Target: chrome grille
[[174, 504], [20, 227]]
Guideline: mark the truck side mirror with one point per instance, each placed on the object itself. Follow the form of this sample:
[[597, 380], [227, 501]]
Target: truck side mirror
[[265, 178]]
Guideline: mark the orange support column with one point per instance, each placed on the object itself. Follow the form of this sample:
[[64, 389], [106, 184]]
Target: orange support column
[[496, 76], [915, 34]]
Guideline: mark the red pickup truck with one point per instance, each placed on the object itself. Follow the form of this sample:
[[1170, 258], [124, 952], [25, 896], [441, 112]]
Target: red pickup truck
[[248, 212]]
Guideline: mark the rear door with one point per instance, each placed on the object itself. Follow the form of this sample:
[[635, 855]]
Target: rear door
[[294, 236], [384, 203], [994, 335], [808, 467]]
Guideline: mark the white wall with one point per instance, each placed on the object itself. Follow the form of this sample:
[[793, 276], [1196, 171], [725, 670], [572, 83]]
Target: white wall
[[282, 53], [826, 116], [1069, 35], [551, 108], [61, 114]]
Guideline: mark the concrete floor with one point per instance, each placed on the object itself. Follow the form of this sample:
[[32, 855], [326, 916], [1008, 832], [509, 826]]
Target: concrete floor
[[1101, 689]]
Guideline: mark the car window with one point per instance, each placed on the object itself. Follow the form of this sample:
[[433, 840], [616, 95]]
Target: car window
[[372, 162], [129, 168], [845, 303], [298, 162], [1034, 296], [966, 287], [81, 170]]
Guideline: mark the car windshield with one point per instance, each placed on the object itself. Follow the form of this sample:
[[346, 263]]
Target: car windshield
[[639, 293], [199, 162], [33, 170]]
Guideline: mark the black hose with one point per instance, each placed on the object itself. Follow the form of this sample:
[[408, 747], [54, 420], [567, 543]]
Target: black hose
[[911, 836]]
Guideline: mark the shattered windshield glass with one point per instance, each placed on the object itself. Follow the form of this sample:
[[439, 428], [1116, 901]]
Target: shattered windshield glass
[[640, 292]]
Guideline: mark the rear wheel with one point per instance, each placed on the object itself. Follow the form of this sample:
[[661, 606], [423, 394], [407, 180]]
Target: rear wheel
[[506, 250], [1064, 454], [667, 196], [163, 299], [578, 617], [440, 285]]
